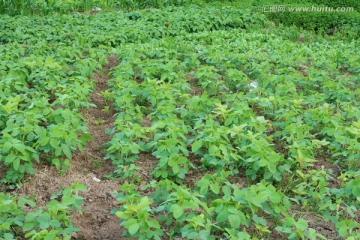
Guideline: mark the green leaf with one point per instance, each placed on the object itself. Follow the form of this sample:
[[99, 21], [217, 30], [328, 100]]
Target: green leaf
[[222, 216], [7, 146], [43, 141], [86, 137], [272, 167], [153, 223], [196, 146], [67, 200], [301, 224], [10, 158], [259, 220], [79, 187], [226, 190], [355, 188], [275, 197], [129, 222], [215, 188], [23, 201], [192, 235], [8, 236], [30, 169], [176, 210], [29, 234], [50, 236], [55, 223], [20, 148], [342, 228], [54, 142], [44, 224], [16, 163], [263, 162], [28, 226], [213, 149], [234, 220], [133, 228], [66, 150], [176, 169], [244, 235], [134, 148]]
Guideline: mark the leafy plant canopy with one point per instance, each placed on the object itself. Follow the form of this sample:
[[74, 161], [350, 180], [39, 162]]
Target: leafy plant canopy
[[254, 134]]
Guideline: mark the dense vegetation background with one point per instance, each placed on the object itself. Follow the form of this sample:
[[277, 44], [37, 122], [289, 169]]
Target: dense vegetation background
[[320, 21], [190, 118]]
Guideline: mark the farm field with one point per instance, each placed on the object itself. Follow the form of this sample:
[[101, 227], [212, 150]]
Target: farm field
[[181, 123]]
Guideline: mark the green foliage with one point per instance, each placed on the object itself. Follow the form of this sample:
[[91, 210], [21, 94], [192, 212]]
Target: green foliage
[[142, 4], [324, 22], [191, 101], [320, 21], [41, 7], [26, 7], [38, 108], [238, 116], [214, 208], [21, 217], [136, 215], [338, 3]]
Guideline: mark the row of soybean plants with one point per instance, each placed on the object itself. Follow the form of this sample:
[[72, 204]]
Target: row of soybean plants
[[232, 105]]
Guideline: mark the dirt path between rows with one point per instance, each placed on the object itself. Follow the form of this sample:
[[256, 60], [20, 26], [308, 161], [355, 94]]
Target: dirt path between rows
[[88, 167], [96, 222]]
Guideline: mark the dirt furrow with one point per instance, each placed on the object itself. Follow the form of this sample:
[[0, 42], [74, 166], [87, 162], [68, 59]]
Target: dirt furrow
[[89, 168], [96, 222]]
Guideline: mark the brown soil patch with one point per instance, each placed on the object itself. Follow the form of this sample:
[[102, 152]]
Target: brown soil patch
[[195, 90], [195, 174], [88, 167], [333, 182], [147, 163], [317, 222], [146, 122], [99, 119], [96, 221]]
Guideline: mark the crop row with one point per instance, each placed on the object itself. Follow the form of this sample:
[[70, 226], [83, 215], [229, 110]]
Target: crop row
[[46, 68], [46, 64], [115, 28], [212, 91], [240, 105]]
